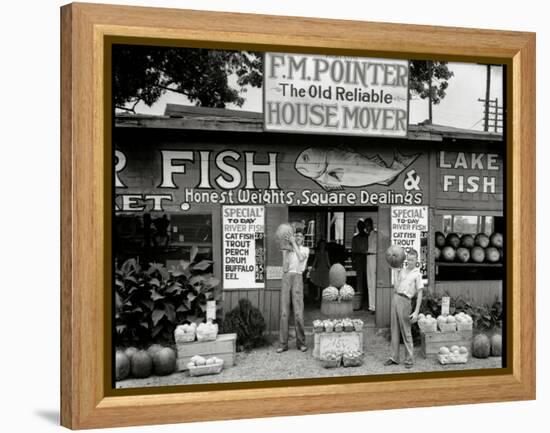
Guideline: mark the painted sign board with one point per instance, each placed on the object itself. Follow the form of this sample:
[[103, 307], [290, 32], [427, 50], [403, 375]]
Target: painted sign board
[[243, 249], [409, 229], [335, 94]]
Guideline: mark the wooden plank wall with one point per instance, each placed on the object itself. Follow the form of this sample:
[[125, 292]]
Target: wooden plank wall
[[268, 299], [479, 292], [384, 289]]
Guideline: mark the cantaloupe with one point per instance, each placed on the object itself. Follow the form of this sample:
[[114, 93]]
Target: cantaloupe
[[481, 346], [395, 256], [164, 362], [337, 275], [496, 345], [122, 365], [141, 364]]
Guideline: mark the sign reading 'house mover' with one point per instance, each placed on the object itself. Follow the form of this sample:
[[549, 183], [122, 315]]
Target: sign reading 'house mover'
[[335, 94]]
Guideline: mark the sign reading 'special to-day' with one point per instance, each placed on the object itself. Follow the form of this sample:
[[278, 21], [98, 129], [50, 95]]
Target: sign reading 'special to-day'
[[243, 247], [335, 94]]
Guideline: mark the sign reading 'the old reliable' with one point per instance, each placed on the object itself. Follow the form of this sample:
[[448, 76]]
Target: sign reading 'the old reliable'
[[335, 94]]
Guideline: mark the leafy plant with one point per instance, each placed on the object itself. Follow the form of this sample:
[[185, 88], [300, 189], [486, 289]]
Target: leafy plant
[[150, 303], [248, 323]]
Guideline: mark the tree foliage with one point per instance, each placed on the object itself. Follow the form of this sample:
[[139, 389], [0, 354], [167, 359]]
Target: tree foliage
[[144, 74], [429, 79]]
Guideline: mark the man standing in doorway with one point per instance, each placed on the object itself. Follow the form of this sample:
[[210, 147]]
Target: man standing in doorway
[[372, 242], [294, 264], [359, 249]]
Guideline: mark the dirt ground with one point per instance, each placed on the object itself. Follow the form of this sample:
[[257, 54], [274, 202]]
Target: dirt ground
[[265, 364]]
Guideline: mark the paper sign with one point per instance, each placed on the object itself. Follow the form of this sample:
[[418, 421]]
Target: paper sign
[[445, 304], [211, 310]]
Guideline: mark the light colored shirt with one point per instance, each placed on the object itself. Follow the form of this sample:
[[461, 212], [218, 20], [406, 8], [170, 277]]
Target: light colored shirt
[[408, 282], [293, 264]]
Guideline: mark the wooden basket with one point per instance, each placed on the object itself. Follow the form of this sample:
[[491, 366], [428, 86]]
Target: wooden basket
[[203, 370], [352, 361], [331, 363], [453, 358], [461, 326], [427, 327], [185, 338], [447, 327]]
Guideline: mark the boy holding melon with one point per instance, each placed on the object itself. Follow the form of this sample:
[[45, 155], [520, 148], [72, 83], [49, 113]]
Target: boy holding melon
[[292, 288], [407, 283]]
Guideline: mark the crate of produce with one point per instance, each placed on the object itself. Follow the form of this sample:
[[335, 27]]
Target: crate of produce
[[185, 333], [427, 326], [358, 324], [223, 347], [211, 365], [431, 342], [207, 331], [352, 359], [318, 326], [464, 326], [331, 360], [447, 327], [337, 342], [337, 308], [453, 355]]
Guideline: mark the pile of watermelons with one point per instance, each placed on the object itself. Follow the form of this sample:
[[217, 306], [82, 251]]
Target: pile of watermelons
[[140, 364], [468, 248]]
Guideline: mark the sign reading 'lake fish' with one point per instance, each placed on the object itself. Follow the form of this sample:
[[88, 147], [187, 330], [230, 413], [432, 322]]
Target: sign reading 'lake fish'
[[335, 94]]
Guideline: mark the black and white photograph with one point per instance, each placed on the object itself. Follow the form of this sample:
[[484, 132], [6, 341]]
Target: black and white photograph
[[282, 216]]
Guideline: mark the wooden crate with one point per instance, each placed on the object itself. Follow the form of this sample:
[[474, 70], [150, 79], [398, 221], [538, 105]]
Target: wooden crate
[[338, 342], [432, 341], [223, 347], [335, 309]]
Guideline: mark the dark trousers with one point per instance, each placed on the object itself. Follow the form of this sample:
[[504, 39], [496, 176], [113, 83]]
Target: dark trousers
[[292, 290]]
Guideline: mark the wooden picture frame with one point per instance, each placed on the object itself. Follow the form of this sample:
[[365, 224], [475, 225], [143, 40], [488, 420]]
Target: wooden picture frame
[[86, 400]]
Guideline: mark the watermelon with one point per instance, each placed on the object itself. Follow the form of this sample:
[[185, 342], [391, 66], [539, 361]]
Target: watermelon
[[122, 365], [164, 362], [439, 239], [463, 254], [395, 256], [482, 240], [492, 255], [130, 351], [477, 254], [496, 345], [330, 293], [337, 275], [283, 232], [153, 348], [346, 292], [467, 241], [448, 253], [481, 346], [141, 364], [453, 240], [497, 240], [437, 253]]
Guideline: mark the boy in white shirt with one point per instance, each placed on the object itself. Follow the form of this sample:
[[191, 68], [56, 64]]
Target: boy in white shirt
[[294, 264], [407, 284]]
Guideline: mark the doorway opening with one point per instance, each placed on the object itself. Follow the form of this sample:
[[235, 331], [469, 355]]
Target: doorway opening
[[330, 229]]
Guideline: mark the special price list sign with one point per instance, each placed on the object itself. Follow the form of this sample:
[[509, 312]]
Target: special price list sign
[[243, 247], [409, 229]]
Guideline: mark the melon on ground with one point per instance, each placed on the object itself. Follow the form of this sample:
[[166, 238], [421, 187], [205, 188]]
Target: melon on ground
[[130, 351], [496, 345], [154, 348], [481, 346], [337, 275], [164, 361], [142, 364], [122, 365]]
